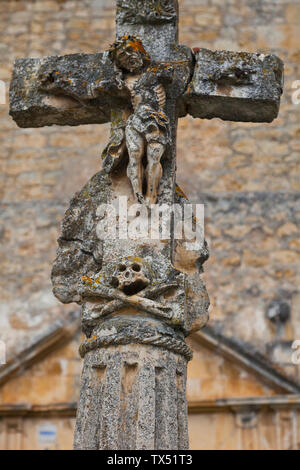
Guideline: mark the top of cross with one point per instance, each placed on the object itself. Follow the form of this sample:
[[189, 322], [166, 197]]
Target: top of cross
[[154, 22]]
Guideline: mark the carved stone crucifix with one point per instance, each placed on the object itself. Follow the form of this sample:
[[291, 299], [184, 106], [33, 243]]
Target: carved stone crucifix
[[139, 298]]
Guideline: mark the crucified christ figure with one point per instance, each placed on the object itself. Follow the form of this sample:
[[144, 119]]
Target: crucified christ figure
[[146, 132]]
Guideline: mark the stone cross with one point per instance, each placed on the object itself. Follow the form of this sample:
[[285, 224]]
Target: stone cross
[[139, 297]]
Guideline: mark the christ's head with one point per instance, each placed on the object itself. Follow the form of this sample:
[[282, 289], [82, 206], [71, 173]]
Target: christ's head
[[129, 54]]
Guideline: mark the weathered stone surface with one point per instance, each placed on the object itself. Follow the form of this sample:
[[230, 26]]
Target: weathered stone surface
[[119, 313], [71, 104], [235, 86], [229, 85]]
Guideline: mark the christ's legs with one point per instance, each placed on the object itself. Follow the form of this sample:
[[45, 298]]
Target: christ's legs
[[135, 170], [155, 151]]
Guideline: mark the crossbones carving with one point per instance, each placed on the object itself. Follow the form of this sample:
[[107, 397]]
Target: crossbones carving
[[118, 299]]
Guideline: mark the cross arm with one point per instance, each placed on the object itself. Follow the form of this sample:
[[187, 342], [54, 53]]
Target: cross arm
[[61, 90], [234, 86]]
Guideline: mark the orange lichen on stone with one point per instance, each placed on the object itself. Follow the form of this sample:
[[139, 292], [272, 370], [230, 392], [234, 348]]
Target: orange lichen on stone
[[179, 192], [87, 279]]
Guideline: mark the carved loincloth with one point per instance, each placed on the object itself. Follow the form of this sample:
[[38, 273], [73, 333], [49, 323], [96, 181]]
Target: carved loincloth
[[153, 125]]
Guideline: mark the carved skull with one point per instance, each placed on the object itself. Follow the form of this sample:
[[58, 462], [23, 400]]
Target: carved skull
[[131, 276]]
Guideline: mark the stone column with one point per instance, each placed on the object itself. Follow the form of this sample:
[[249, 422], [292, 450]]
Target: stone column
[[133, 397]]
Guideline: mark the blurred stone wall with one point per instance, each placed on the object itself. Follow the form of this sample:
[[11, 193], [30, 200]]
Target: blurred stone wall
[[247, 174]]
